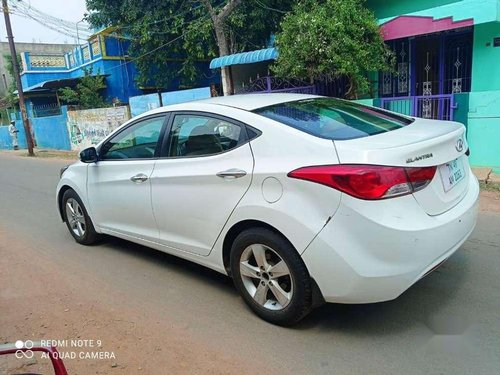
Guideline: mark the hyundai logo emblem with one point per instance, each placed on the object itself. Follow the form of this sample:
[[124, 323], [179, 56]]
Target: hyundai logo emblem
[[460, 145]]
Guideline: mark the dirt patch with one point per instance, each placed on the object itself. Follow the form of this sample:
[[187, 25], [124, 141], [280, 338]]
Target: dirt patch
[[69, 155], [40, 302], [45, 154], [489, 201]]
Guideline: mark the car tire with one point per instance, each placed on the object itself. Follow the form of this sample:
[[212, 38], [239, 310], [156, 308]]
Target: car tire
[[77, 219], [283, 297]]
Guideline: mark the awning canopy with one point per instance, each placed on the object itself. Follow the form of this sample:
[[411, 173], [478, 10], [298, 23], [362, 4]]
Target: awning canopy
[[406, 26], [245, 58], [55, 84]]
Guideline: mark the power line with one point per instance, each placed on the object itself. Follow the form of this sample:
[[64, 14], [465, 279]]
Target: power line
[[246, 40], [162, 20], [215, 7], [161, 46], [264, 6], [29, 9], [119, 35], [68, 28], [202, 18], [49, 26]]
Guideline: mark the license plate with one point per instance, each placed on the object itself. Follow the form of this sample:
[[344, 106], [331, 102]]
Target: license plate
[[451, 174]]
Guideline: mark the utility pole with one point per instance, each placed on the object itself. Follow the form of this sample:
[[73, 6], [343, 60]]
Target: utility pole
[[17, 77], [78, 32]]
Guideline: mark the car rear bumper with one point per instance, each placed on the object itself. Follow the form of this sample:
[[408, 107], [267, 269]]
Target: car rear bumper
[[372, 251]]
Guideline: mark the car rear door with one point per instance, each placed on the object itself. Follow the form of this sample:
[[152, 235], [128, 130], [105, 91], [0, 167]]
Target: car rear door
[[119, 186], [205, 170]]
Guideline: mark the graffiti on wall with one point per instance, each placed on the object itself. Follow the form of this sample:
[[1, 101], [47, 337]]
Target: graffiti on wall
[[88, 127]]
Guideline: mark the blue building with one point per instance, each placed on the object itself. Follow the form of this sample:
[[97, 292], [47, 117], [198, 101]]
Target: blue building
[[104, 54]]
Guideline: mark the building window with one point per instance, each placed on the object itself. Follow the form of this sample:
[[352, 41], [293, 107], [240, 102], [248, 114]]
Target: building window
[[457, 64], [396, 83], [71, 59], [387, 83], [96, 48], [403, 68], [86, 53], [47, 61]]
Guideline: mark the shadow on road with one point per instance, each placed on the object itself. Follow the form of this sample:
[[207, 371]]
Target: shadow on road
[[414, 308], [171, 263]]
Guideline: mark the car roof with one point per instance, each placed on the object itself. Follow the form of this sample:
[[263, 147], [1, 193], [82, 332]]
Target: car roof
[[249, 102], [246, 102]]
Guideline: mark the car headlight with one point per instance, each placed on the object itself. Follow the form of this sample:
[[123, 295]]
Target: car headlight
[[63, 169]]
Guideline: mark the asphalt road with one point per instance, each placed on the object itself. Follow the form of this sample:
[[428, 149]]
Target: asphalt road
[[448, 323]]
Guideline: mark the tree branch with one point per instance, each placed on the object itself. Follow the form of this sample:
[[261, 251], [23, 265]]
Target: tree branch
[[211, 10], [224, 13], [228, 8]]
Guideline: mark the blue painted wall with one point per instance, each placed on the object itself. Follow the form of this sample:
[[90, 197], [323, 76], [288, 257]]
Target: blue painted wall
[[6, 140], [120, 79], [174, 97], [121, 82], [116, 47], [143, 103], [52, 131], [109, 60]]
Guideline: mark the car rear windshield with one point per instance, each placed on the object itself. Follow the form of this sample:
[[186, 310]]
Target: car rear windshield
[[334, 119]]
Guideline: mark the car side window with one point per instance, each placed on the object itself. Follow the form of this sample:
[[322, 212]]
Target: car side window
[[198, 135], [138, 141]]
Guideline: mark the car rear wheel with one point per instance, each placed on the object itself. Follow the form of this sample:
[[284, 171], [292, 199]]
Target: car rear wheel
[[77, 219], [271, 276]]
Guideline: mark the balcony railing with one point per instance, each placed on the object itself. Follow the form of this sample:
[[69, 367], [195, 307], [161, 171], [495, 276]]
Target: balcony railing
[[437, 107], [45, 110]]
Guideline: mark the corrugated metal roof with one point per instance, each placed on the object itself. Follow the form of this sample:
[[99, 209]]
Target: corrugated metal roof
[[245, 58], [56, 84]]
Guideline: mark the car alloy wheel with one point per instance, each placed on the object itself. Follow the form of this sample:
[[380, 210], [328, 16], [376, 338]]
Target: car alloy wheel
[[271, 276], [76, 217], [266, 277]]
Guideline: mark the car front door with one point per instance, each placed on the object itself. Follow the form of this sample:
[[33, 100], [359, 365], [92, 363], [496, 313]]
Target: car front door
[[119, 186], [205, 170]]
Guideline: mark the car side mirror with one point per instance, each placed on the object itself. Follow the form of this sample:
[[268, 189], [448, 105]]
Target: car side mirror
[[89, 155]]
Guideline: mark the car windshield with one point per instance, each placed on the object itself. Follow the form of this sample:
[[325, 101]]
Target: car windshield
[[334, 119]]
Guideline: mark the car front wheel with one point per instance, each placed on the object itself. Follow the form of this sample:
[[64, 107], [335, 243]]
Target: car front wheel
[[77, 219], [271, 276]]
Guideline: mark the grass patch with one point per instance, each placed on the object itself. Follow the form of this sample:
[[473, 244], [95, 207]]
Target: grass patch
[[490, 187], [70, 155]]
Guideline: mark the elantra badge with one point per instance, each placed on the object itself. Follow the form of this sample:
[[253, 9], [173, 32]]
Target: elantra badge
[[419, 157]]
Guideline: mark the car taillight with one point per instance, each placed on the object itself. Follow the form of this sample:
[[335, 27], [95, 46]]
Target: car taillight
[[368, 181]]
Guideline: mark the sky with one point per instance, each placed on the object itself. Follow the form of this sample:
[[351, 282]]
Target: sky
[[27, 30]]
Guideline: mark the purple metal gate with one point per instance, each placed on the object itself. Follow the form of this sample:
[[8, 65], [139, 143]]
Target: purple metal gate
[[437, 107], [270, 84], [430, 69], [437, 63]]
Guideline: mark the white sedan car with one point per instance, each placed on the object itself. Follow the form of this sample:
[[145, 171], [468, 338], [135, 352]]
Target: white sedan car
[[301, 199]]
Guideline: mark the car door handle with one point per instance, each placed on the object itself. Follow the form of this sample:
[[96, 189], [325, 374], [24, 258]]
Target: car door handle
[[232, 173], [141, 177]]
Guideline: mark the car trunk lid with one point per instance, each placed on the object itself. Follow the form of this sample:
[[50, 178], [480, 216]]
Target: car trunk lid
[[423, 143]]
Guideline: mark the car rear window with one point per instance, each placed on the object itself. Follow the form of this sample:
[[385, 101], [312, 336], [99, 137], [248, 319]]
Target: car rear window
[[334, 119]]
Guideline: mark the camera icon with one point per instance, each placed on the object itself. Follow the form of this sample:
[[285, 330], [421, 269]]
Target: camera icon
[[24, 349]]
